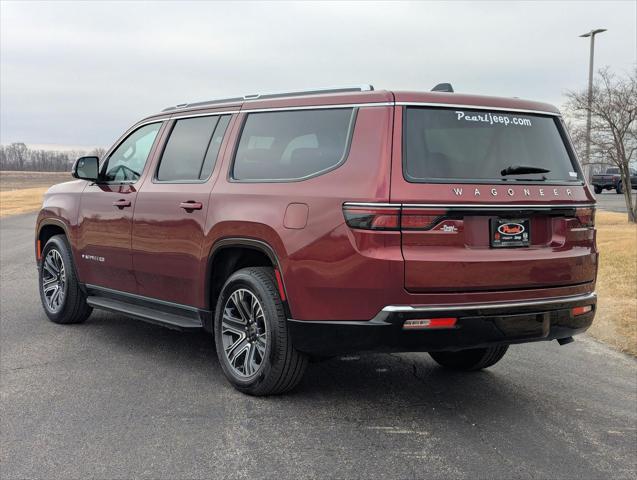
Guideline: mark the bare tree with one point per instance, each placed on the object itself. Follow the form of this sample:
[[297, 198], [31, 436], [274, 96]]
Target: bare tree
[[17, 156], [613, 125], [98, 152]]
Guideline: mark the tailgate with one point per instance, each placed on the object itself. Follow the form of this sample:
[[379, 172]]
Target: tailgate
[[457, 252], [469, 181]]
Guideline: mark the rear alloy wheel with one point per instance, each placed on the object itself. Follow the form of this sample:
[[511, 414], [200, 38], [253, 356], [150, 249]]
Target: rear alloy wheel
[[470, 360], [598, 190], [60, 293], [253, 344]]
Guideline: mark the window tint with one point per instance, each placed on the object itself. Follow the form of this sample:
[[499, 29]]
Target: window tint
[[192, 148], [476, 144], [127, 161], [292, 144]]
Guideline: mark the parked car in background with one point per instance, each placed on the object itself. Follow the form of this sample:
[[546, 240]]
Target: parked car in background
[[328, 222], [612, 180]]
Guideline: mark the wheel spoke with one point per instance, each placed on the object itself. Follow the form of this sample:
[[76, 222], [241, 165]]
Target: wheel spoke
[[243, 309], [235, 353], [49, 267], [232, 321], [260, 345], [249, 363], [54, 296]]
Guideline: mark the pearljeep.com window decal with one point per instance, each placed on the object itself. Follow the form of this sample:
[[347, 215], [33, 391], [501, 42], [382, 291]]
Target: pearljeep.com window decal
[[492, 119]]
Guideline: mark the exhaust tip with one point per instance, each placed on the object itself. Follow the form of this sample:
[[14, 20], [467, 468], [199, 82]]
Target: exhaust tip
[[565, 341]]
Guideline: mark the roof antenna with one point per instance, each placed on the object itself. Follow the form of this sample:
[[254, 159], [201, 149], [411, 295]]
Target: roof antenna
[[443, 87]]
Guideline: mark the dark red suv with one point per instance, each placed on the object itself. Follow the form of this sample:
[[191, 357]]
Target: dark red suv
[[318, 223]]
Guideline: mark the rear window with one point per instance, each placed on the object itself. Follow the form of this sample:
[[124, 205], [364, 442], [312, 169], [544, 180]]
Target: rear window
[[292, 145], [476, 145]]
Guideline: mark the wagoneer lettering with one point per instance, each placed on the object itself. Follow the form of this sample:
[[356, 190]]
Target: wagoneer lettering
[[320, 223]]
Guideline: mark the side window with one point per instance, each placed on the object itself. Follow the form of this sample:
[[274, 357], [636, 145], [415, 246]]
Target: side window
[[292, 145], [192, 149], [126, 163]]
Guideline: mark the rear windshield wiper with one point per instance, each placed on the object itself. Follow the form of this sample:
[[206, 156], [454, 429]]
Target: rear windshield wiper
[[522, 169]]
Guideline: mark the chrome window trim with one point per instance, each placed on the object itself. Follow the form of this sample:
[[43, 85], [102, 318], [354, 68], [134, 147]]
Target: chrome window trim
[[477, 206], [490, 306], [319, 107], [477, 107]]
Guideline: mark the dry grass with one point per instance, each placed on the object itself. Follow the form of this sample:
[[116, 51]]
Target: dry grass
[[26, 200], [10, 180], [616, 319]]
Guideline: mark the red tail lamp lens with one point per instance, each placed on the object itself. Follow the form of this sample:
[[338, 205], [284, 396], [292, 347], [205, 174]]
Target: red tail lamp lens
[[585, 216], [386, 218], [581, 310], [429, 323], [420, 219]]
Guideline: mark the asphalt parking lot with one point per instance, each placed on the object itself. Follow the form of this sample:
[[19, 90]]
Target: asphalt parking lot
[[611, 202], [118, 398]]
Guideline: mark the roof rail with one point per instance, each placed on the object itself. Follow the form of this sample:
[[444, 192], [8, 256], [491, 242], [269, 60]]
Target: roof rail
[[316, 91]]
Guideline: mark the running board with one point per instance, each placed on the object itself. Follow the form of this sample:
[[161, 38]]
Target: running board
[[170, 320]]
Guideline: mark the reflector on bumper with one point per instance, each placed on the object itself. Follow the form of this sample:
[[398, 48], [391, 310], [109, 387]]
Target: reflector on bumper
[[428, 323]]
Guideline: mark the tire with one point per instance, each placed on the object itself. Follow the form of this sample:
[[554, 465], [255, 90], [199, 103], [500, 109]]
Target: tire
[[619, 189], [470, 360], [598, 190], [63, 301], [253, 345]]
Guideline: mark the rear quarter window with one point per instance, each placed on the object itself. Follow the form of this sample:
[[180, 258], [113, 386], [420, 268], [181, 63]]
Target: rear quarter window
[[292, 145], [442, 144]]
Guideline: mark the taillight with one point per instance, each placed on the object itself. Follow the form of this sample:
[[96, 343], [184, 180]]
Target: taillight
[[585, 216], [420, 219], [372, 218], [392, 217]]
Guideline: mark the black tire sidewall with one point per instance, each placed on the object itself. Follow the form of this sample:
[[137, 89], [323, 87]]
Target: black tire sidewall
[[272, 308]]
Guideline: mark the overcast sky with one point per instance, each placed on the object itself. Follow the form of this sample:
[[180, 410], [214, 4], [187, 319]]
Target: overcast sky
[[80, 73]]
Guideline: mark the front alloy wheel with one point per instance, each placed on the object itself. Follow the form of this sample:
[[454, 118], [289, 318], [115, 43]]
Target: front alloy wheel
[[62, 297], [53, 281]]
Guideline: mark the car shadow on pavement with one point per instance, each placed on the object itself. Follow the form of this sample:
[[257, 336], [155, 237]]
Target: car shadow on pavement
[[405, 385]]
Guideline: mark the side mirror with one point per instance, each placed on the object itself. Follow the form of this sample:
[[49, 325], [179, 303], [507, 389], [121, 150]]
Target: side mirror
[[86, 168]]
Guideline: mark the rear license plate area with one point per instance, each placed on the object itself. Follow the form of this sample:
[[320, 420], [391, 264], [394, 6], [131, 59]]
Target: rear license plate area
[[510, 232]]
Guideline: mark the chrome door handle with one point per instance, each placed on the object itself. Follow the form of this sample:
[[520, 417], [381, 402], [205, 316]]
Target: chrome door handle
[[190, 205]]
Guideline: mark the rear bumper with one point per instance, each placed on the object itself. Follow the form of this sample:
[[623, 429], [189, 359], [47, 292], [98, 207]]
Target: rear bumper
[[478, 325]]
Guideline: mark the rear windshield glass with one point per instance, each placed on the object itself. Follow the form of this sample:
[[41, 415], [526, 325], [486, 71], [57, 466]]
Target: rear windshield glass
[[465, 145]]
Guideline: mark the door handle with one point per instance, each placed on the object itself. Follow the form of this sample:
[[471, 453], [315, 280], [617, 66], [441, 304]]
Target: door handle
[[190, 205], [121, 203]]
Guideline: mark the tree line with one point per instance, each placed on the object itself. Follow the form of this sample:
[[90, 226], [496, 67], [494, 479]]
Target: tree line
[[18, 156]]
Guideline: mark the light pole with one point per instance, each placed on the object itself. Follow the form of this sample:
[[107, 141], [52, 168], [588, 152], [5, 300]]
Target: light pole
[[587, 167]]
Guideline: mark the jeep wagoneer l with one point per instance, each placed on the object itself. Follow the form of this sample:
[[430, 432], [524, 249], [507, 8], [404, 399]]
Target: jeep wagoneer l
[[324, 222]]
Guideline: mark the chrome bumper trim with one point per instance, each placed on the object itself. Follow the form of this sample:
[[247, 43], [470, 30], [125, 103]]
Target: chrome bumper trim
[[483, 306]]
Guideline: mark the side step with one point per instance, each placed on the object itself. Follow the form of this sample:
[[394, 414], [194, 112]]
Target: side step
[[165, 319]]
